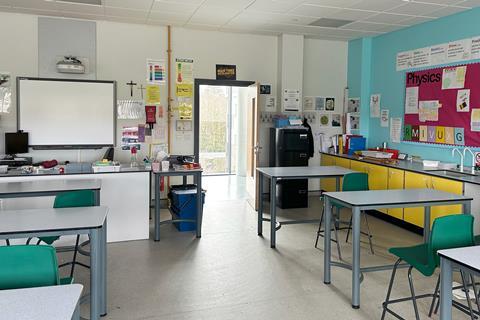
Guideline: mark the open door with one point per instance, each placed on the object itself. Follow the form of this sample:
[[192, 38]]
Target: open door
[[253, 143]]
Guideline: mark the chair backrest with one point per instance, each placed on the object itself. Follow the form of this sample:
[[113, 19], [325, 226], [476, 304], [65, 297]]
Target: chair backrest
[[454, 231], [81, 198], [24, 266], [355, 181]]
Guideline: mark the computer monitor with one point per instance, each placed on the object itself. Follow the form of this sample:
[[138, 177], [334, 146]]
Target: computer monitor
[[16, 142]]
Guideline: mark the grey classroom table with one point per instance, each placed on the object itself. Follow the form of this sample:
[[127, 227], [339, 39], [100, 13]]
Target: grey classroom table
[[289, 173], [465, 259], [197, 176], [360, 201], [46, 188], [41, 303], [20, 224]]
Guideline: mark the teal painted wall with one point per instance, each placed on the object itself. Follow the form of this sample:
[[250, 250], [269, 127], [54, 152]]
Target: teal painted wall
[[384, 78]]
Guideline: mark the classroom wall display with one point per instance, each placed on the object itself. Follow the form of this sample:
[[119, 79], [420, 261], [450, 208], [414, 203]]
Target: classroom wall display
[[442, 106], [451, 52], [156, 71]]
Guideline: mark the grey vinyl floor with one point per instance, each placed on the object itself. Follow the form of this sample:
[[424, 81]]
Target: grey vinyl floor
[[231, 273]]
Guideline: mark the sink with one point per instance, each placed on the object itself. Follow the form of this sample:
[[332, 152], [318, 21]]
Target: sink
[[452, 173]]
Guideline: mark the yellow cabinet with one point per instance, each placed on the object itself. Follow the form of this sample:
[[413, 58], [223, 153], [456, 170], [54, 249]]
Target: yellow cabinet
[[358, 166], [396, 180], [415, 181], [342, 162], [377, 179], [328, 185], [447, 186]]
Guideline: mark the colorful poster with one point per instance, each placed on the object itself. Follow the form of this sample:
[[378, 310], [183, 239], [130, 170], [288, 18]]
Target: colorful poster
[[475, 48], [421, 57], [184, 71], [428, 111], [184, 90], [411, 100], [440, 134], [308, 103], [438, 54], [353, 105], [459, 50], [384, 118], [463, 100], [404, 60], [395, 129], [475, 120], [152, 96], [156, 71], [319, 104], [329, 104], [375, 105], [185, 111], [454, 78]]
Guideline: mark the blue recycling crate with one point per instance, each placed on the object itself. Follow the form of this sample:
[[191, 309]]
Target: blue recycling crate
[[183, 205]]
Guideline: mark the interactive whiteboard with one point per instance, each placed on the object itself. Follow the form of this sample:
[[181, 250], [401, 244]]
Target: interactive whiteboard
[[60, 113]]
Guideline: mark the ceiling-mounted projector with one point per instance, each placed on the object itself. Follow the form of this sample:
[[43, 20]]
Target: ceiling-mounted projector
[[70, 64]]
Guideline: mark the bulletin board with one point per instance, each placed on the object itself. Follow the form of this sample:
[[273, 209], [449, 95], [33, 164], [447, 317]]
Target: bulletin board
[[442, 106]]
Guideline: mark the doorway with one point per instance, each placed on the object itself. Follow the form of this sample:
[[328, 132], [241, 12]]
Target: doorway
[[221, 142]]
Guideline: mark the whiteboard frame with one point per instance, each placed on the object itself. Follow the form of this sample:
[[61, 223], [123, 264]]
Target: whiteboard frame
[[73, 146]]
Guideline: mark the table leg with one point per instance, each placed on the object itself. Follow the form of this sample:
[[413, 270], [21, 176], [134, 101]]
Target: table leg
[[95, 274], [326, 239], [273, 211], [157, 207], [337, 209], [426, 224], [445, 289], [356, 213], [199, 204], [103, 261], [467, 207], [260, 204], [97, 197]]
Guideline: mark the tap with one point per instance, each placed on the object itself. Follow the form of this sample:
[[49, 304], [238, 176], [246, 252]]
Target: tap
[[461, 157], [473, 158]]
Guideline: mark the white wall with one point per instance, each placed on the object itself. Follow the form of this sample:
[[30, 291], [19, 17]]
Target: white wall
[[122, 50], [324, 74]]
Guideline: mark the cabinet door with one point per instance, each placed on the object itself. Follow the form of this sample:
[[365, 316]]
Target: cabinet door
[[358, 166], [342, 162], [328, 185], [447, 186], [377, 179], [396, 180], [415, 181]]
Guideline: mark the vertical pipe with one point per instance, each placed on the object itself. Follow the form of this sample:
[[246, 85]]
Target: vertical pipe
[[169, 96]]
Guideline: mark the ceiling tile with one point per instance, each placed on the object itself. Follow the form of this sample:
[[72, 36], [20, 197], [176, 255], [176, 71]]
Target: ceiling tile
[[232, 4], [277, 6], [213, 16], [127, 13], [129, 4], [334, 3], [168, 16], [469, 3], [415, 20], [377, 5], [353, 15], [81, 8], [164, 23], [416, 8], [369, 26], [446, 11], [387, 18], [174, 7], [446, 2], [125, 19], [314, 11]]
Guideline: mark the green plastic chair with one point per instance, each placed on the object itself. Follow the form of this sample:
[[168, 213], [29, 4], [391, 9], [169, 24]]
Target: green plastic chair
[[81, 198], [355, 181], [24, 266], [448, 232]]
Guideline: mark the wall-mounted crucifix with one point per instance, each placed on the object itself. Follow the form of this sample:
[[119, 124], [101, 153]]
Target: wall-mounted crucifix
[[131, 84]]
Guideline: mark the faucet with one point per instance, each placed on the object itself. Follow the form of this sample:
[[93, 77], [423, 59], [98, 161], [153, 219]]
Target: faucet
[[461, 157], [473, 158]]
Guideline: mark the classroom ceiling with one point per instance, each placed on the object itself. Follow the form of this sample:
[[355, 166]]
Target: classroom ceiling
[[325, 19]]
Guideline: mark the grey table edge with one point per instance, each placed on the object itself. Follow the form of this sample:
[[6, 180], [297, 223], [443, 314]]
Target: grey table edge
[[273, 180], [356, 212], [98, 262], [197, 174]]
